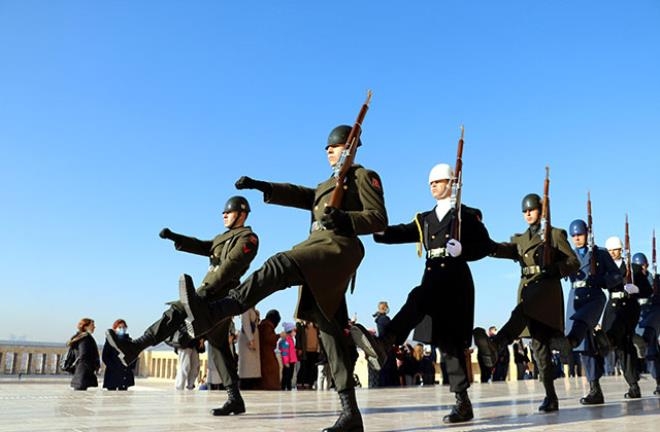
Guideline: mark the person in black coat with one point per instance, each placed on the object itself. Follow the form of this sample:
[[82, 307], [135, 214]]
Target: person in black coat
[[622, 315], [117, 376], [445, 298], [88, 362]]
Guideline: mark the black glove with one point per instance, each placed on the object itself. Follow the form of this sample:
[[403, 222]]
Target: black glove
[[246, 182], [337, 220], [165, 233]]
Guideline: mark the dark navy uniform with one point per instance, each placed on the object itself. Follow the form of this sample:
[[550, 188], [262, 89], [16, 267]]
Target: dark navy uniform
[[620, 320], [649, 325], [586, 302], [446, 292]]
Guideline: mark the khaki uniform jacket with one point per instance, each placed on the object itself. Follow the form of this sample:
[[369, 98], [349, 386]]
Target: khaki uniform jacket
[[326, 259], [230, 255], [540, 294]]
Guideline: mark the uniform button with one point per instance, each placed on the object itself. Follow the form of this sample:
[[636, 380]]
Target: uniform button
[[433, 237], [525, 255], [345, 187], [446, 235], [442, 264], [316, 208], [428, 268]]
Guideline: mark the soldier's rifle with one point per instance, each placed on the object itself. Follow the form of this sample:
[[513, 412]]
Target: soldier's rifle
[[457, 189], [590, 238], [626, 246], [654, 266], [348, 156], [546, 226]]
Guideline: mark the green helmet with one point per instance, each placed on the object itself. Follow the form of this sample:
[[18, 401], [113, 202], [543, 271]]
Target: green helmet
[[237, 203], [531, 201], [339, 135]]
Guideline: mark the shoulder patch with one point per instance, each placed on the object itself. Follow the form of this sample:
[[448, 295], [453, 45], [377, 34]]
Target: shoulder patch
[[374, 181]]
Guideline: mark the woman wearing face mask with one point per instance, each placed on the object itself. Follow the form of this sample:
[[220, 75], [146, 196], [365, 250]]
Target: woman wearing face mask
[[117, 376]]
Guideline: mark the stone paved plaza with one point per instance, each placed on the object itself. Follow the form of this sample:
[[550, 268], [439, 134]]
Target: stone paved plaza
[[153, 405]]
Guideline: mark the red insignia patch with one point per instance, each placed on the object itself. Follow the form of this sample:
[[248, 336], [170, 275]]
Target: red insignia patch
[[375, 183], [246, 249], [253, 239]]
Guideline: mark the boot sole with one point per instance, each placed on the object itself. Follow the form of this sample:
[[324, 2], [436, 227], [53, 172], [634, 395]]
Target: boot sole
[[186, 291], [365, 341]]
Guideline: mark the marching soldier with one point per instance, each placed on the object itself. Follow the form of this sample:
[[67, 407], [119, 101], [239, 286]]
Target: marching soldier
[[650, 321], [540, 299], [622, 315], [585, 306], [230, 255], [322, 266], [446, 293]]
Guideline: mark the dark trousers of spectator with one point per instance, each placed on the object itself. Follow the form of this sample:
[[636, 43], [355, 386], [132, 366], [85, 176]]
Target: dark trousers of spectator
[[287, 376], [486, 372], [308, 372]]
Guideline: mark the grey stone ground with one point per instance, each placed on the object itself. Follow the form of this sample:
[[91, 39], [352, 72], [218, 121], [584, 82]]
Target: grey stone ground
[[49, 405]]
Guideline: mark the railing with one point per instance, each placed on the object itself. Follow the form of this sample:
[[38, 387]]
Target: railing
[[35, 358]]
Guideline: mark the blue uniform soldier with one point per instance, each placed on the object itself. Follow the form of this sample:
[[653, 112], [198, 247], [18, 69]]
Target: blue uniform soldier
[[649, 323], [585, 306]]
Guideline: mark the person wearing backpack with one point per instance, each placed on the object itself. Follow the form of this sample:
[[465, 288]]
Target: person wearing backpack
[[88, 361]]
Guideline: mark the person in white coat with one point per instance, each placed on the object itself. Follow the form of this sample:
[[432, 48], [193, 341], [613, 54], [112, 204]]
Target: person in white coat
[[249, 363]]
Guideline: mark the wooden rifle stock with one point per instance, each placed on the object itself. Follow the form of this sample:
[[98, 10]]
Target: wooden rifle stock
[[348, 156], [626, 246], [546, 227], [591, 241], [457, 188]]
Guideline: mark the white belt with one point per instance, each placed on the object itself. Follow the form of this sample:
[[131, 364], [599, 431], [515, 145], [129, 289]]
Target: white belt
[[643, 301], [437, 253], [619, 295], [530, 270], [579, 284]]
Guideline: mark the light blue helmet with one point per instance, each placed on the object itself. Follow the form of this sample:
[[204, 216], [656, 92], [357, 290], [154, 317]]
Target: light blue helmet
[[577, 227]]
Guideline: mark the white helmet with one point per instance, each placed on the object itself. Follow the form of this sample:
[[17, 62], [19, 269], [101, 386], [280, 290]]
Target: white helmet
[[613, 243], [441, 172]]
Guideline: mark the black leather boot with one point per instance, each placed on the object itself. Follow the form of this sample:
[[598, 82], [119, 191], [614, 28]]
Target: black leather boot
[[462, 411], [129, 349], [595, 395], [376, 348], [234, 404], [350, 419], [202, 316], [550, 403], [633, 392]]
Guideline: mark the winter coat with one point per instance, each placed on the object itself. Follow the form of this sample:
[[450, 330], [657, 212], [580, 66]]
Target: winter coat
[[116, 375], [446, 292], [539, 293], [287, 347], [249, 365], [88, 363], [270, 367], [326, 259]]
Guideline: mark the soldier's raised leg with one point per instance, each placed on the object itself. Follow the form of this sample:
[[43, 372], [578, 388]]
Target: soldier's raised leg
[[130, 349]]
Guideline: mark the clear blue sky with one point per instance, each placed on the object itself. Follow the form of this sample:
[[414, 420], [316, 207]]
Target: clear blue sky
[[120, 118]]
